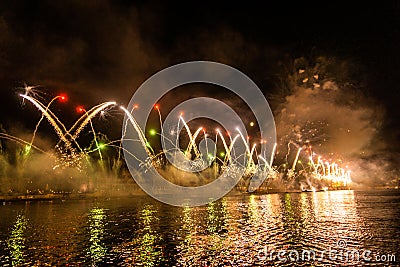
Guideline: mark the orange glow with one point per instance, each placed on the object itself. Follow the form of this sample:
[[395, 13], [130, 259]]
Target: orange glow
[[157, 106]]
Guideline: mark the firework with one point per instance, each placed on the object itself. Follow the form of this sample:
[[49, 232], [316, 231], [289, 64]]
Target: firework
[[136, 126], [81, 109], [253, 164], [296, 158], [322, 170], [27, 144], [53, 120], [62, 98], [87, 117]]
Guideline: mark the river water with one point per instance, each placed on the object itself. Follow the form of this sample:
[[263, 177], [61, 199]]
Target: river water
[[333, 228]]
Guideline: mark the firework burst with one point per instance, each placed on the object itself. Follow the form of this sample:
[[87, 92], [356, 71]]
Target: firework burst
[[69, 153]]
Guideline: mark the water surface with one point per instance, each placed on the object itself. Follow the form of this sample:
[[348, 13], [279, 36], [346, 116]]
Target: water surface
[[303, 229]]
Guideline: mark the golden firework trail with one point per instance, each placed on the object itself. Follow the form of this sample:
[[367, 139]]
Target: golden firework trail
[[136, 126], [54, 121]]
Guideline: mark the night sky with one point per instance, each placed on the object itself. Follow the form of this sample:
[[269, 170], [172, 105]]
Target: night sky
[[100, 50]]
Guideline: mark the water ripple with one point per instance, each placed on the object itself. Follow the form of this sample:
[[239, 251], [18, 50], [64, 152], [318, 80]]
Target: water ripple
[[246, 230]]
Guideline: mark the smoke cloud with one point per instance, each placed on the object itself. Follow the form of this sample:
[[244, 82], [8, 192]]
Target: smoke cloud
[[325, 110]]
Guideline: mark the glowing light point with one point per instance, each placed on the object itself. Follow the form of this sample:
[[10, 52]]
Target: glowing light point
[[157, 106], [251, 124], [63, 98], [101, 146], [27, 149], [222, 154], [80, 109], [152, 132]]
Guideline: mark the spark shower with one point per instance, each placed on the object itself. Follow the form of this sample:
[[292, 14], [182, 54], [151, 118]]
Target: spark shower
[[308, 171]]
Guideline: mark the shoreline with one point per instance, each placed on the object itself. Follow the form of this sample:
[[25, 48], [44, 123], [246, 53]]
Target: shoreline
[[97, 195], [67, 196]]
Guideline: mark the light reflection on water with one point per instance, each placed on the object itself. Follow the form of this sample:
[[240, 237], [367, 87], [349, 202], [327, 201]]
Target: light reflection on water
[[144, 248], [234, 231], [97, 224], [16, 241]]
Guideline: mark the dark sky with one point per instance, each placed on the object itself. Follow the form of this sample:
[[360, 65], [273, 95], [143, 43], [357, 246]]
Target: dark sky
[[101, 50]]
